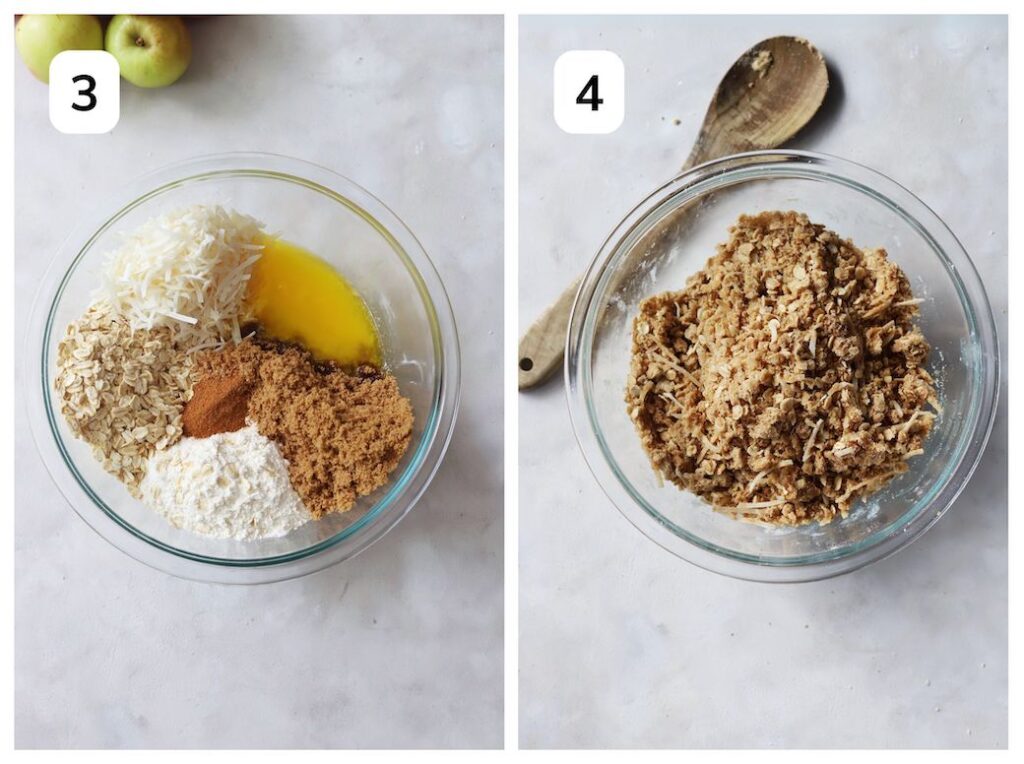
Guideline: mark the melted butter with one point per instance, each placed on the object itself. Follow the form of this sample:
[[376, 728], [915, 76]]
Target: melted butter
[[297, 297]]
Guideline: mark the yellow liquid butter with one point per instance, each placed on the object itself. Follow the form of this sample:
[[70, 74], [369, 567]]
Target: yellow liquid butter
[[297, 297]]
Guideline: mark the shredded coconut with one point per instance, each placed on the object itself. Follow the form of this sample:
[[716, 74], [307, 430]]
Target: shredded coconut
[[231, 485], [187, 270]]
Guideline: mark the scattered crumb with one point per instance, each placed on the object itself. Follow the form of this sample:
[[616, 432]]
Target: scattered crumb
[[762, 62]]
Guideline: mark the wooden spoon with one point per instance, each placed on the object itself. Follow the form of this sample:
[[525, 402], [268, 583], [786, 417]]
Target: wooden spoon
[[768, 94]]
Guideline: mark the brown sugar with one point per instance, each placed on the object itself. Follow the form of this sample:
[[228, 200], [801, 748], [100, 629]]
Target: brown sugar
[[787, 379], [218, 404], [342, 433]]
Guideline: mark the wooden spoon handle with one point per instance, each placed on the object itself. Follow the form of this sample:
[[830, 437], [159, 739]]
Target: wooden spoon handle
[[542, 347]]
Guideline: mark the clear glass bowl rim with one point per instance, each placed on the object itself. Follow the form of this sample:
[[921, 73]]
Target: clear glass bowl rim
[[404, 490], [691, 185]]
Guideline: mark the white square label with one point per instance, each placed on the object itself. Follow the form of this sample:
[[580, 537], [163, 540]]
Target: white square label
[[85, 91], [590, 91]]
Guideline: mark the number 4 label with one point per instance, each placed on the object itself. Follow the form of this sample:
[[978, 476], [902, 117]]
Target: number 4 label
[[85, 91], [593, 99], [590, 90]]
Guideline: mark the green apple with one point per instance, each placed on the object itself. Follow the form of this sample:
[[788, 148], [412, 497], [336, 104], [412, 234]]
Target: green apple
[[153, 51], [40, 37]]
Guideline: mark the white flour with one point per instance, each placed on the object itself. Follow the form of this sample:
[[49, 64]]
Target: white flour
[[231, 485]]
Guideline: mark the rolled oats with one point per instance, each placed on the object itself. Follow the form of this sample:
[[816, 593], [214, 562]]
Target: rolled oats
[[121, 391]]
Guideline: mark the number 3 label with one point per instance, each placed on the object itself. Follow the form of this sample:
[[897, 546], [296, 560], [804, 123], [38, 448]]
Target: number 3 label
[[590, 88], [85, 91], [90, 86]]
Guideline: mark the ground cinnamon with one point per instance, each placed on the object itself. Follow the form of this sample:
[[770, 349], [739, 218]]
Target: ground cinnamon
[[218, 404]]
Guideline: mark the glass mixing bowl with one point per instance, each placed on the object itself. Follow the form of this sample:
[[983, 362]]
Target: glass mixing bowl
[[668, 237], [353, 231]]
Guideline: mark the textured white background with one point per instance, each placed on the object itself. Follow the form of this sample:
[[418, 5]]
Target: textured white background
[[401, 646], [622, 644]]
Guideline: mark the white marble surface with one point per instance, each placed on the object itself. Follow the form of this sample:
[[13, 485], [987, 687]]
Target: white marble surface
[[401, 647], [622, 644]]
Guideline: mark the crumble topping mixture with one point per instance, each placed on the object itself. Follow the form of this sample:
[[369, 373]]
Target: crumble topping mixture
[[787, 379]]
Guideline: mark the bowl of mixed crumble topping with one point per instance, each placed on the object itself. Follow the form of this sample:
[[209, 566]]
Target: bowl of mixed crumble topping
[[782, 366]]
